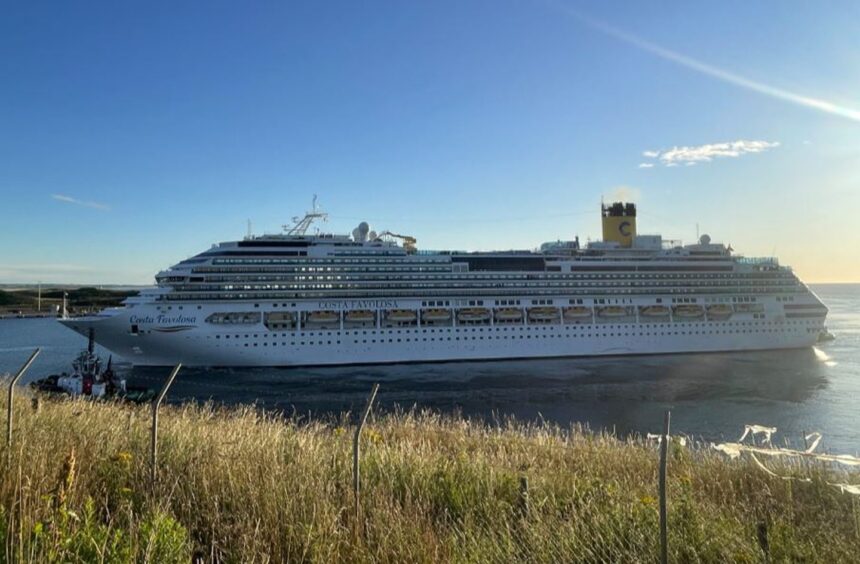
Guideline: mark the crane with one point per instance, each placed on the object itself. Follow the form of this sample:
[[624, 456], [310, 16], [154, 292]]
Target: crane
[[409, 241]]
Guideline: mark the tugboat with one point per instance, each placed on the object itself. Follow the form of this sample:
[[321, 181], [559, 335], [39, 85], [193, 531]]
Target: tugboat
[[87, 379]]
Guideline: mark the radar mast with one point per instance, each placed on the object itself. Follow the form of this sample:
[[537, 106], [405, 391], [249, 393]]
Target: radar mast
[[301, 225]]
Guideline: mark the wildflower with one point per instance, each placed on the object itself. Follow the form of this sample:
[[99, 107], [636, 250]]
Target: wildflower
[[374, 436], [124, 457]]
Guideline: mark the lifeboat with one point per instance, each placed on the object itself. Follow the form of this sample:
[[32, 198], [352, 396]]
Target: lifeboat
[[324, 316], [360, 316], [543, 314], [654, 311], [279, 320], [234, 318], [509, 314], [749, 308], [401, 315], [612, 311], [473, 314], [436, 315], [577, 312], [689, 311], [719, 311], [279, 317]]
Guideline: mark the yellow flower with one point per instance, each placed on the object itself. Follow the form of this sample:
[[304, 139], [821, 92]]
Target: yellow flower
[[374, 436]]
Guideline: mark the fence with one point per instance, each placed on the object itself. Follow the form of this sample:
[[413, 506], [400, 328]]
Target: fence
[[530, 505]]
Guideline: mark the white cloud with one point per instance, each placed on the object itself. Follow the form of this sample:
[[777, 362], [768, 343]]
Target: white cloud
[[70, 200], [646, 165], [690, 156]]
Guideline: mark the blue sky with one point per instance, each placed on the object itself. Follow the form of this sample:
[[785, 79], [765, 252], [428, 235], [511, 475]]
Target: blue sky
[[135, 135]]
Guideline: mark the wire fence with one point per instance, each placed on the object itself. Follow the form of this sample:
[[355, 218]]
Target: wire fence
[[537, 507]]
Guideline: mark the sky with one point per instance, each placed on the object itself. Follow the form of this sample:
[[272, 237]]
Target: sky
[[134, 135]]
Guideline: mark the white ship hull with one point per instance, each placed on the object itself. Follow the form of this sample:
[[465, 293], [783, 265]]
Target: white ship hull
[[199, 344]]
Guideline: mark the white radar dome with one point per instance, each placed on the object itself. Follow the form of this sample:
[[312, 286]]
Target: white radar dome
[[359, 234], [705, 240]]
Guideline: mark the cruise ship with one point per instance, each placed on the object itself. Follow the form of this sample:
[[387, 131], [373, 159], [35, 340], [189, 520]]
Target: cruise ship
[[302, 298]]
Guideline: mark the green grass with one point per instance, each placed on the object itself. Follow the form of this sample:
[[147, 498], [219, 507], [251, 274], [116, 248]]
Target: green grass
[[241, 485]]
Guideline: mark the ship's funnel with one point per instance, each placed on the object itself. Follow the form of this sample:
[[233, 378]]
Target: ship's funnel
[[619, 223]]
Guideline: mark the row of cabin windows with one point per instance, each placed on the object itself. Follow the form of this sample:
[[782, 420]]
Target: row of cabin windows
[[419, 285], [544, 336], [336, 293], [444, 272]]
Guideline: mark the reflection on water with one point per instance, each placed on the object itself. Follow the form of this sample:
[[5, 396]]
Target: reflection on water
[[823, 357], [625, 393], [710, 395]]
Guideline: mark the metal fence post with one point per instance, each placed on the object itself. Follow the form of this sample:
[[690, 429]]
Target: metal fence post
[[356, 450], [9, 405], [664, 452], [524, 496], [761, 533], [155, 405]]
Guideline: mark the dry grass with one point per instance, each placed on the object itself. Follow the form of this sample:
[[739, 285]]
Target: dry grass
[[239, 485]]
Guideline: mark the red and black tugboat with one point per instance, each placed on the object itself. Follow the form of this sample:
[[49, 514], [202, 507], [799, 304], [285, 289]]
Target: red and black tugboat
[[87, 379]]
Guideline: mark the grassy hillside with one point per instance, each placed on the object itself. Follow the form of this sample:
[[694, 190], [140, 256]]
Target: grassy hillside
[[242, 486]]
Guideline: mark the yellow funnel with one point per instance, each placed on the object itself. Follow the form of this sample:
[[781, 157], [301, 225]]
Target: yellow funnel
[[619, 223]]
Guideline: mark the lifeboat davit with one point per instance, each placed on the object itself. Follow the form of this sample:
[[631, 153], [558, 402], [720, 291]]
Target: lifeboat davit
[[612, 311], [577, 312], [473, 314], [654, 311], [436, 315], [360, 316], [401, 315], [509, 314], [543, 314], [324, 316], [689, 311], [720, 311]]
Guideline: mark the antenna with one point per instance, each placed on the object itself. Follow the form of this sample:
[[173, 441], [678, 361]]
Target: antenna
[[301, 225], [249, 230], [697, 231]]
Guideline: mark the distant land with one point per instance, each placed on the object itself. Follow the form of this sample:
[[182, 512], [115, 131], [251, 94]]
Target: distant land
[[24, 300]]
